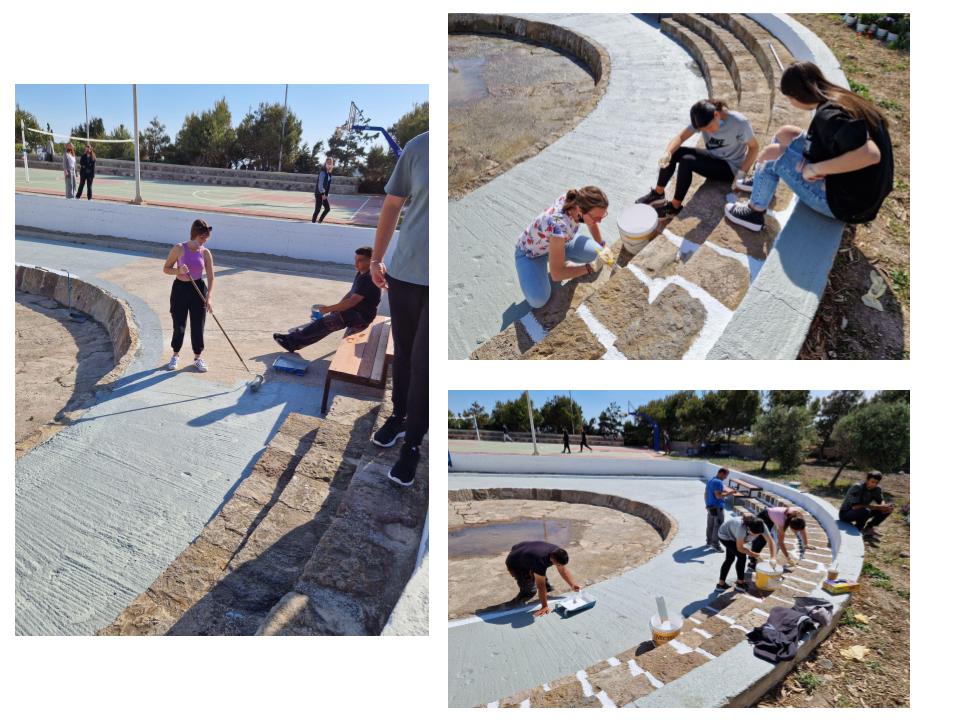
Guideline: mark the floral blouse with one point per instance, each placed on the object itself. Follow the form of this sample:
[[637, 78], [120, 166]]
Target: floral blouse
[[552, 222]]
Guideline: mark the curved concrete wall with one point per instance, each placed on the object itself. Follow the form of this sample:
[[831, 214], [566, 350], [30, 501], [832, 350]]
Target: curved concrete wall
[[166, 226], [560, 465]]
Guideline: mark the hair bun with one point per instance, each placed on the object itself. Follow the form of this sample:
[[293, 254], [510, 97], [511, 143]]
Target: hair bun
[[571, 194]]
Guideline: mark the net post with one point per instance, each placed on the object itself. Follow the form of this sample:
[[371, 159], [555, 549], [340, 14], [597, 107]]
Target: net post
[[533, 429], [23, 144], [136, 149]]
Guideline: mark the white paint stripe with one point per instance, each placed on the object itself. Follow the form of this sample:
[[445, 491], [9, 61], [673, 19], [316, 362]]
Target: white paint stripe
[[494, 615], [604, 336], [525, 703], [788, 602], [584, 683], [533, 327], [613, 662], [758, 611], [795, 589], [727, 620], [680, 647], [634, 668], [703, 632], [794, 578], [605, 700], [357, 211], [706, 654], [546, 687], [693, 619], [653, 681], [740, 627], [494, 704], [688, 247]]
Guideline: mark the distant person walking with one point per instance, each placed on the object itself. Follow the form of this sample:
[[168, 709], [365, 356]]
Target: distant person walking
[[566, 443], [88, 164], [70, 171], [583, 440], [408, 291], [506, 435], [187, 262], [321, 193]]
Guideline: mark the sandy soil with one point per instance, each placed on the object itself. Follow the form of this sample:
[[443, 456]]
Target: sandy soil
[[58, 363], [845, 328], [507, 96], [605, 543]]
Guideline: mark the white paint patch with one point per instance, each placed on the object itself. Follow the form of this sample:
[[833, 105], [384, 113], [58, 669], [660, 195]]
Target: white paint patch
[[727, 620], [605, 700], [760, 612], [703, 632], [680, 647], [584, 683], [786, 602], [613, 662], [634, 668], [740, 627], [706, 654], [791, 578], [546, 687], [794, 588], [604, 336], [494, 704], [688, 247], [525, 703], [693, 619], [533, 327]]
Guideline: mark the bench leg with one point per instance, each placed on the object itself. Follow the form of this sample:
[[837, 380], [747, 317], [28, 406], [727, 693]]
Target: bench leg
[[326, 393]]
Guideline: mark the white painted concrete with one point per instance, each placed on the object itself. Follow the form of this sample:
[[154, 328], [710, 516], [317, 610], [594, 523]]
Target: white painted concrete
[[167, 226]]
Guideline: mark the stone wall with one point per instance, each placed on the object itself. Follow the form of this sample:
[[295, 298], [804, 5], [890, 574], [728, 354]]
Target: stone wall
[[551, 438]]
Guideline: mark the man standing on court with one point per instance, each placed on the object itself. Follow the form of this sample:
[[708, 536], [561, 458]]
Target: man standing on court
[[321, 193], [528, 563], [566, 443], [407, 284], [713, 497]]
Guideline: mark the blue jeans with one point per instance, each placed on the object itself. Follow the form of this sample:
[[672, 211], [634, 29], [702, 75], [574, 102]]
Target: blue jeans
[[534, 273], [771, 172]]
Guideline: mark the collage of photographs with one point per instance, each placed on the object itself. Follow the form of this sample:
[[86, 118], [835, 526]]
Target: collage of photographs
[[223, 381]]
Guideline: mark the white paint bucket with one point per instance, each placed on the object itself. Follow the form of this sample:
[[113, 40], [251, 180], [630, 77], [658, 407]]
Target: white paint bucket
[[767, 577], [638, 226], [663, 632]]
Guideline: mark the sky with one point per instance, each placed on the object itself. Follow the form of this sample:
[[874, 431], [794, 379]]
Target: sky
[[592, 401], [319, 107]]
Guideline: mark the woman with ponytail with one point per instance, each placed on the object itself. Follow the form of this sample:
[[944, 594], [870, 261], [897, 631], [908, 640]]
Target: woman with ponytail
[[544, 249], [730, 150], [841, 167]]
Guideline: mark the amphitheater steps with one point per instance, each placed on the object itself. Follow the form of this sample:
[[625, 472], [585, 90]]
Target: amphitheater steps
[[360, 567], [707, 633], [250, 554], [721, 81]]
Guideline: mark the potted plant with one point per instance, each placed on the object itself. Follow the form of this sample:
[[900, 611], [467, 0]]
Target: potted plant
[[883, 26], [899, 28], [849, 19], [869, 21], [861, 25]]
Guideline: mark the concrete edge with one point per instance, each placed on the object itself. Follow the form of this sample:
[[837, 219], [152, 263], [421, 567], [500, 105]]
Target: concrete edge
[[802, 43], [113, 313]]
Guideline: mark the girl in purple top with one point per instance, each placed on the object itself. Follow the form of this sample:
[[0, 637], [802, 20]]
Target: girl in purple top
[[188, 261]]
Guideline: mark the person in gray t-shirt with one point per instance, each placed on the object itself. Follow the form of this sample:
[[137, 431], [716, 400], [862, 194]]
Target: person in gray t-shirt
[[735, 535], [406, 281], [730, 151]]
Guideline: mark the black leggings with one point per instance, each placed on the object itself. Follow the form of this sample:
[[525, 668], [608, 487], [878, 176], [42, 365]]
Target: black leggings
[[89, 182], [864, 518], [732, 554], [320, 202], [184, 301], [409, 313], [692, 160]]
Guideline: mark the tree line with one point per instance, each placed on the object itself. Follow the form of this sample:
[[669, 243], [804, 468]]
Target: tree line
[[210, 139], [787, 426]]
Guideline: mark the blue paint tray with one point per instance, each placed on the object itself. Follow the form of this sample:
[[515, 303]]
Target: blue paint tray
[[577, 602], [296, 365]]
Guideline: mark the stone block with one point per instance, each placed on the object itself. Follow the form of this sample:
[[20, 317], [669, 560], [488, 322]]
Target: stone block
[[620, 685], [191, 575], [258, 487], [723, 641], [232, 524], [666, 664], [565, 692], [659, 258], [723, 277], [664, 330], [569, 340]]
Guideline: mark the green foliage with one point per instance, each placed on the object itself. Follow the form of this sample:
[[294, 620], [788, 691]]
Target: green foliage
[[876, 435], [97, 131], [833, 407], [258, 137], [611, 419], [872, 571], [784, 433], [208, 139], [788, 398], [561, 412], [860, 89], [412, 123], [849, 619], [513, 414], [29, 121], [808, 681], [377, 169], [154, 142]]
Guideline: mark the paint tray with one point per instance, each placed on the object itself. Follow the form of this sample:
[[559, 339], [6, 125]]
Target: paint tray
[[578, 602], [295, 364], [839, 587]]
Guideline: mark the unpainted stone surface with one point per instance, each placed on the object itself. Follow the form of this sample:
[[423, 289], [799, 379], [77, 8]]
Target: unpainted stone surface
[[570, 340], [723, 277], [665, 330], [659, 258]]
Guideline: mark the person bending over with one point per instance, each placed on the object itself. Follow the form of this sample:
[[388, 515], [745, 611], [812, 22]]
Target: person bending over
[[778, 520], [730, 152], [528, 563], [355, 311], [735, 534]]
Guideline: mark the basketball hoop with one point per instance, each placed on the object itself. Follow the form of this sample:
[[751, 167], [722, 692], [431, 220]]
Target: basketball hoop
[[351, 120]]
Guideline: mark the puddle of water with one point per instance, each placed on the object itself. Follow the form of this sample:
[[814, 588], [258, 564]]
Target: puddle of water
[[497, 538], [465, 83]]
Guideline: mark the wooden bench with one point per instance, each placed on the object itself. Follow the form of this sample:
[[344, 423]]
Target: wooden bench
[[742, 486], [362, 358]]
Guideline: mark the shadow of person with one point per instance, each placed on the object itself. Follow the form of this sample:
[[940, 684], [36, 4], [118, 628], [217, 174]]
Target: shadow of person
[[690, 554], [513, 313]]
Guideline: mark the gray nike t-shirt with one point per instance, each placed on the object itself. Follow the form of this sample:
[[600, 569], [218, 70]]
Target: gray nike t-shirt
[[729, 142], [410, 179]]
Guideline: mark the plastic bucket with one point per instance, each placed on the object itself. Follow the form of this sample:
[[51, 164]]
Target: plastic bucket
[[664, 632], [767, 577], [638, 226]]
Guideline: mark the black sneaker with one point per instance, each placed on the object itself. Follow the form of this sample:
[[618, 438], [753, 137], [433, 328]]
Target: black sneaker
[[391, 431], [752, 565], [406, 467], [282, 341], [652, 198], [667, 210], [745, 216], [745, 185]]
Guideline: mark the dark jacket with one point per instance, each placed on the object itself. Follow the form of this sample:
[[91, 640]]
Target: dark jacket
[[87, 166], [323, 182], [858, 494], [778, 638]]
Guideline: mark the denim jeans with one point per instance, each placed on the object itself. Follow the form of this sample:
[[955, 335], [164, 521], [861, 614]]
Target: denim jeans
[[534, 273], [771, 172]]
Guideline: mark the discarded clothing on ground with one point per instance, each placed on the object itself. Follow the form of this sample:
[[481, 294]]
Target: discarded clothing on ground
[[777, 639]]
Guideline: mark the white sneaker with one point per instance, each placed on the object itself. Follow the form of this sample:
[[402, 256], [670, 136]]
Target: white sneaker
[[200, 365], [172, 365]]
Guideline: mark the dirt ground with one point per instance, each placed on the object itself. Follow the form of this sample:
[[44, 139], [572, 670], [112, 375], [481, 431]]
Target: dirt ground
[[58, 362], [845, 328], [878, 618], [604, 544], [508, 99]]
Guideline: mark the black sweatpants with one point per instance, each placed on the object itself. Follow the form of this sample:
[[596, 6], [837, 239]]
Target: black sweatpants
[[864, 518], [526, 582], [320, 201], [693, 160], [583, 444], [409, 315], [732, 555], [317, 330], [184, 301], [89, 182]]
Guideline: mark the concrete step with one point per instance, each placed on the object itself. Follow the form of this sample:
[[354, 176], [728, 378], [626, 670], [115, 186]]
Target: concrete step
[[716, 73]]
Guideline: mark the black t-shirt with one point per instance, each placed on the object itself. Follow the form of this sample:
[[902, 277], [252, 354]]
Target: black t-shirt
[[531, 555], [363, 285], [853, 197]]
